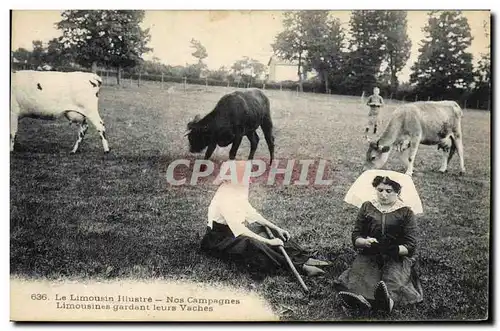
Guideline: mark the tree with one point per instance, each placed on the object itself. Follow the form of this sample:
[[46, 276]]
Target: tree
[[192, 71], [38, 53], [221, 74], [105, 37], [200, 52], [325, 49], [153, 67], [484, 66], [396, 44], [22, 55], [367, 48], [292, 43], [482, 74], [444, 68], [57, 55], [248, 69]]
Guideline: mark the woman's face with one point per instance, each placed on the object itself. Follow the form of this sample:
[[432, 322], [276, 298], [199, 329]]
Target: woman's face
[[386, 194]]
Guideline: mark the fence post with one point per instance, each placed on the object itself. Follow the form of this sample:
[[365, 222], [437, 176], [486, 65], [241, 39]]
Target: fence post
[[297, 91], [281, 87], [162, 80], [185, 81], [139, 80], [404, 96], [228, 83], [107, 77], [429, 98], [131, 79], [465, 104], [206, 83], [390, 98], [477, 104], [263, 86], [416, 97]]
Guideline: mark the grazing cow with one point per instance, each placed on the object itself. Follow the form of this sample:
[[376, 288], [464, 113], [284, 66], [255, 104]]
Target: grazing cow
[[426, 122], [236, 115], [51, 95]]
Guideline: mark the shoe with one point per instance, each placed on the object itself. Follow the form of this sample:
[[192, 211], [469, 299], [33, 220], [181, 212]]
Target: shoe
[[312, 271], [317, 263], [353, 301], [383, 300]]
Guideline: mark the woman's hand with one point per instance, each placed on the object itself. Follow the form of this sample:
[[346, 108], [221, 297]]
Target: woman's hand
[[366, 243], [275, 242], [283, 234]]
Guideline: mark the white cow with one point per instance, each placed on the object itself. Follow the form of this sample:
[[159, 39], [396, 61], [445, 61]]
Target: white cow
[[425, 122], [51, 95]]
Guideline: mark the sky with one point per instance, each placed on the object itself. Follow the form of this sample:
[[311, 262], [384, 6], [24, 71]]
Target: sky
[[227, 35]]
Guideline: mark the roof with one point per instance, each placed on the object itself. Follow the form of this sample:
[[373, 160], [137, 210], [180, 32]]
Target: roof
[[281, 62]]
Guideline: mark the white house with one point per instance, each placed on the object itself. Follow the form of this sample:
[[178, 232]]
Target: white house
[[281, 70]]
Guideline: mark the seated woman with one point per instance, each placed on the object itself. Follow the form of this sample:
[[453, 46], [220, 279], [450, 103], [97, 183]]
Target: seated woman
[[236, 231], [383, 273]]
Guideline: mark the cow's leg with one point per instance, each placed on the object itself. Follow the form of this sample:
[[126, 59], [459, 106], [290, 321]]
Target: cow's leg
[[81, 134], [404, 155], [235, 146], [254, 142], [210, 150], [460, 151], [14, 119], [97, 122], [445, 146], [267, 128], [414, 143]]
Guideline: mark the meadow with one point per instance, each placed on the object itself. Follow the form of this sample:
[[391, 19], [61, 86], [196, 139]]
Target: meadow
[[114, 216]]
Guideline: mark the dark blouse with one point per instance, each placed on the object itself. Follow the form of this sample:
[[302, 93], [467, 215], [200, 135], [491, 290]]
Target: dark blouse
[[398, 227]]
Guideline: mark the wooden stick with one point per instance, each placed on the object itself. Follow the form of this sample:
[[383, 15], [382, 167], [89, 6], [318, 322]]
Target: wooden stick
[[290, 264]]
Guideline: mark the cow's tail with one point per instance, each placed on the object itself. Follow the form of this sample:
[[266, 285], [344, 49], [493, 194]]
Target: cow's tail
[[267, 129], [457, 110]]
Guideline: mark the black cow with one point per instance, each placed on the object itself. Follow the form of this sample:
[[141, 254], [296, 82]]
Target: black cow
[[236, 115]]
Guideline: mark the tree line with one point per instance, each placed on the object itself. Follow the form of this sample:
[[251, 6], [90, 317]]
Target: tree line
[[371, 51], [375, 47], [114, 39]]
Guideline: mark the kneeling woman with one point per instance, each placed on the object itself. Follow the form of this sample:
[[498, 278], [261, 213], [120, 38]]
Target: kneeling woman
[[236, 231], [383, 273]]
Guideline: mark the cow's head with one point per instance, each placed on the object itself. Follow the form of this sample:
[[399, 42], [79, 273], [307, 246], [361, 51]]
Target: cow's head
[[198, 135], [376, 156]]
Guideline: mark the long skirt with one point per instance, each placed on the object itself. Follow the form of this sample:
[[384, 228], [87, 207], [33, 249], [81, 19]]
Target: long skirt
[[400, 277], [253, 254]]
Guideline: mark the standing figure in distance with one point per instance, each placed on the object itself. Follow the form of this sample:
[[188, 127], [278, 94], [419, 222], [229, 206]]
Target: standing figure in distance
[[375, 101]]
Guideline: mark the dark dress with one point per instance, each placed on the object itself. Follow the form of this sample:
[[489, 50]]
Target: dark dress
[[251, 253], [395, 227]]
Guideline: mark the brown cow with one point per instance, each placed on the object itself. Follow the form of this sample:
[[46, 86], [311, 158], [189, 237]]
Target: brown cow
[[425, 122], [236, 115]]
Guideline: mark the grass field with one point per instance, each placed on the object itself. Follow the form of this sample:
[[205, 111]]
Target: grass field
[[111, 216]]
